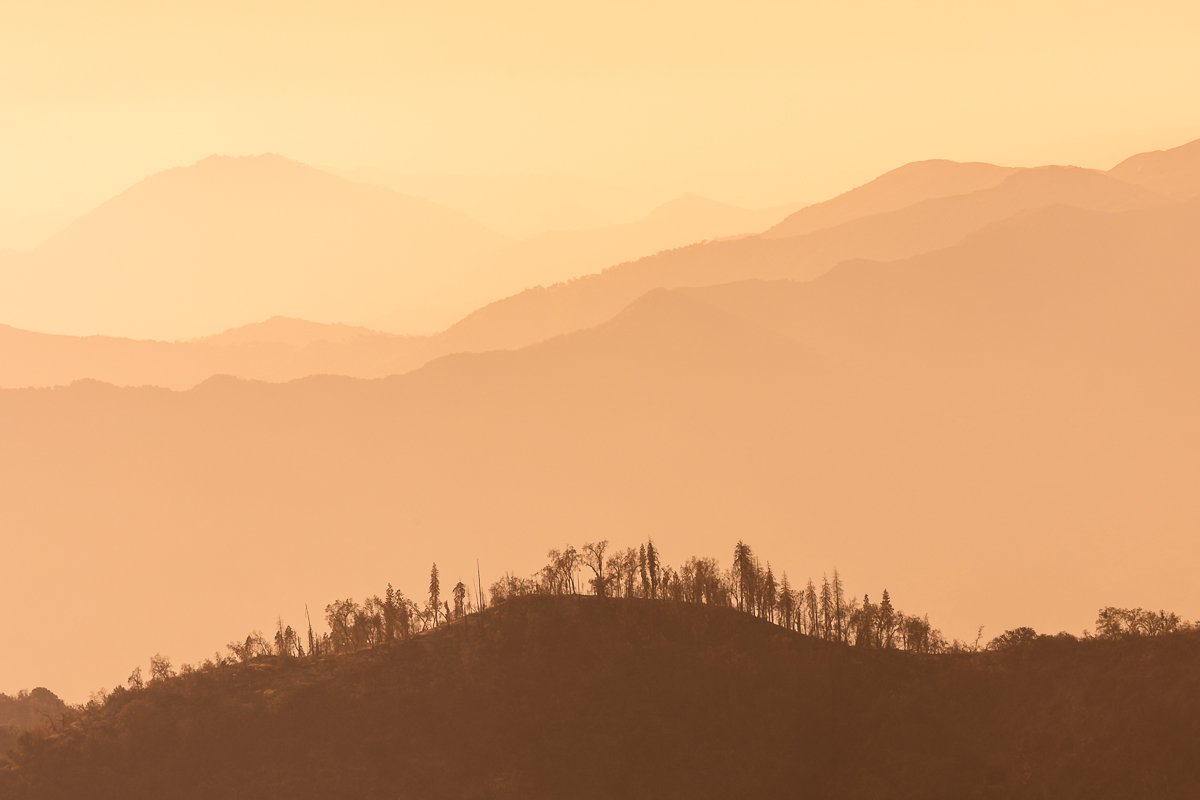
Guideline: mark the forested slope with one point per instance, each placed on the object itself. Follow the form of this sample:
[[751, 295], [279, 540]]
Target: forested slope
[[592, 697]]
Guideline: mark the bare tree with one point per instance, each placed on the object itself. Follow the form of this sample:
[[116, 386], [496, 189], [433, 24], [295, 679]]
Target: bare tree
[[593, 558]]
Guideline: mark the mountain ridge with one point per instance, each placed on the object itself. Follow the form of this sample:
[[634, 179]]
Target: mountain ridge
[[602, 695]]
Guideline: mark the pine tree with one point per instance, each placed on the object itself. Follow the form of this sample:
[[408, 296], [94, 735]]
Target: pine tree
[[770, 595], [642, 569], [839, 608], [887, 620], [810, 606], [389, 613], [743, 575], [826, 609], [652, 564], [435, 593], [787, 604]]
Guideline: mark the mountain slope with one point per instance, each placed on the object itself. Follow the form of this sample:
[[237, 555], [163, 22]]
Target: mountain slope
[[543, 312], [1173, 173], [932, 224], [202, 248], [595, 698], [674, 419], [559, 255], [903, 186], [286, 330]]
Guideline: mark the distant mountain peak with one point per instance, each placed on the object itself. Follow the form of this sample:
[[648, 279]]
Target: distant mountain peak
[[288, 330], [903, 186], [1174, 172]]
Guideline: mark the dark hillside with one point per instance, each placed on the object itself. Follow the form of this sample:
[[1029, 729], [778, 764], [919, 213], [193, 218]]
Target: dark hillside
[[558, 697], [27, 711]]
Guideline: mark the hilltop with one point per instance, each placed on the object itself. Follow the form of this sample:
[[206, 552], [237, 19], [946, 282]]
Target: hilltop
[[590, 697], [27, 711]]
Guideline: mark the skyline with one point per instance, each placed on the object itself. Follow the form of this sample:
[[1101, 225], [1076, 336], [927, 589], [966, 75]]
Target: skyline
[[766, 104]]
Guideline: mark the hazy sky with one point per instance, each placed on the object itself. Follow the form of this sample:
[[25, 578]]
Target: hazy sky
[[752, 100]]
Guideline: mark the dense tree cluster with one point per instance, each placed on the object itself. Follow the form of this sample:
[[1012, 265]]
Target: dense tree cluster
[[747, 584], [1115, 622], [1111, 623], [823, 610], [27, 711]]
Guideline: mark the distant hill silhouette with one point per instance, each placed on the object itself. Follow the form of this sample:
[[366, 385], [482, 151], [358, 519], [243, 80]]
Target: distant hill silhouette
[[901, 187], [542, 312], [917, 225], [1174, 173], [286, 330], [195, 249], [275, 350], [545, 696], [559, 255]]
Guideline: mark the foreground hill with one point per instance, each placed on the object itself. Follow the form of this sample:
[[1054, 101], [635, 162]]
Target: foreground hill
[[196, 249], [546, 697]]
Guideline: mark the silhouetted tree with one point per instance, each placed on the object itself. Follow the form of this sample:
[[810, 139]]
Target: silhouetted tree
[[886, 621], [840, 627], [460, 600], [653, 567], [160, 668], [1013, 638], [593, 555], [743, 575], [787, 604], [812, 609], [769, 595], [435, 593], [1112, 622], [826, 609], [312, 642]]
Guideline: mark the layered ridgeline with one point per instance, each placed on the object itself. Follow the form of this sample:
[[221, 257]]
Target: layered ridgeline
[[909, 211], [194, 250], [548, 696], [1023, 402], [226, 241]]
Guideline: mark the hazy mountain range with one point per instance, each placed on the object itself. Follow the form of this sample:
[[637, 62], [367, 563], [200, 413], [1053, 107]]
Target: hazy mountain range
[[228, 241], [913, 209], [1006, 386]]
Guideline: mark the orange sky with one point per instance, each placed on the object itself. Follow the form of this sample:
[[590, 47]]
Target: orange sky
[[755, 102]]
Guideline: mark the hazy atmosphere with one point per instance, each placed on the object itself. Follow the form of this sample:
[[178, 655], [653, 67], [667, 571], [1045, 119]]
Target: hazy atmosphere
[[755, 104], [734, 365]]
